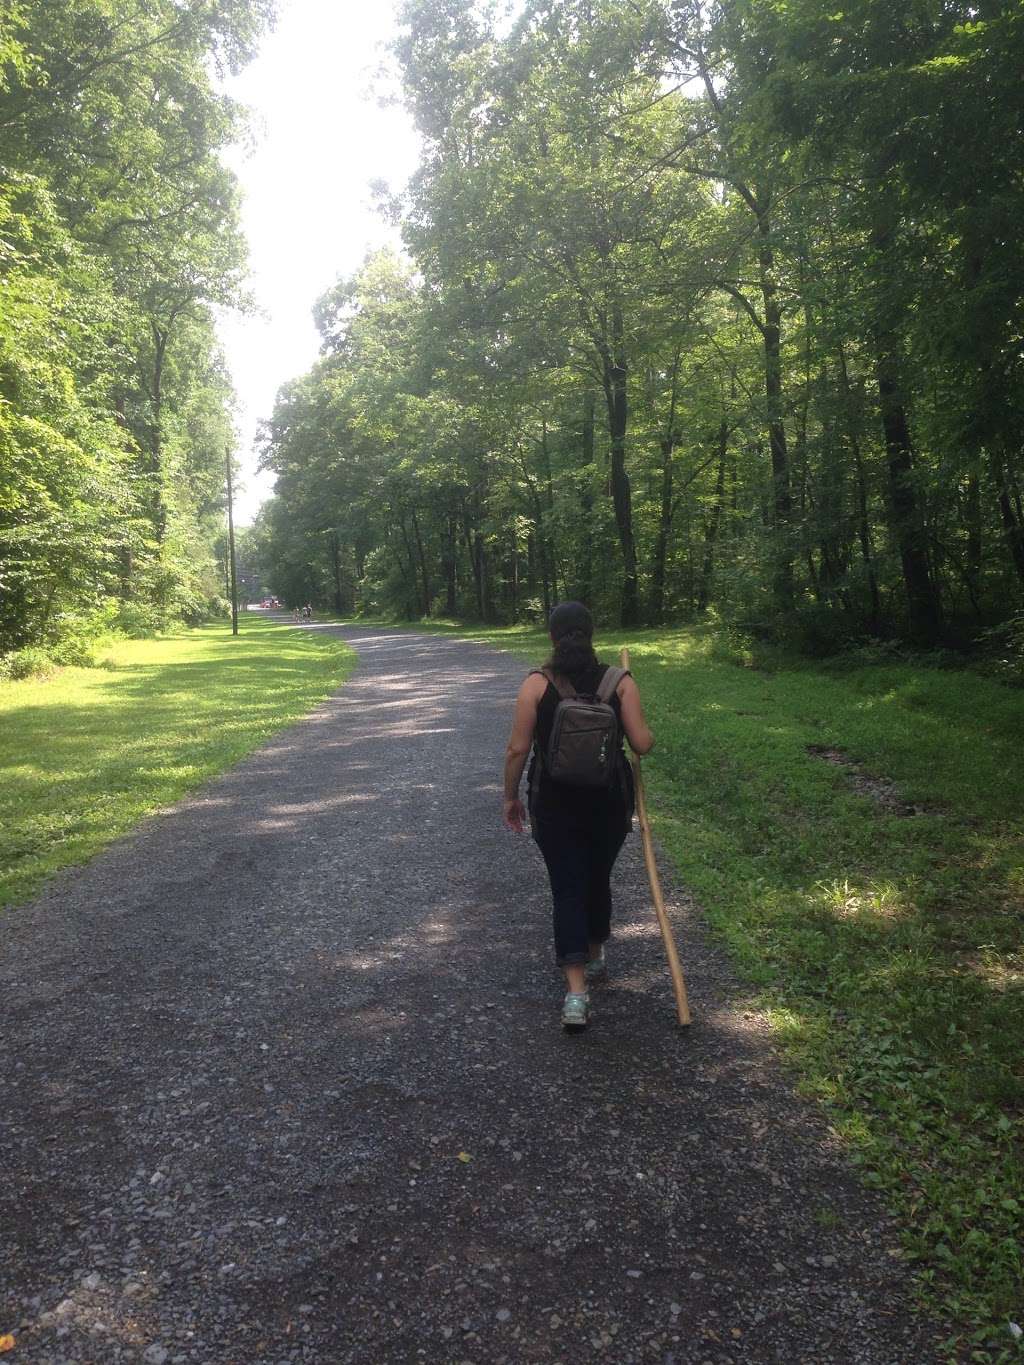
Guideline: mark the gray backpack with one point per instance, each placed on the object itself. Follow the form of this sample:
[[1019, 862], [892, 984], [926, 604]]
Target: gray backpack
[[585, 747]]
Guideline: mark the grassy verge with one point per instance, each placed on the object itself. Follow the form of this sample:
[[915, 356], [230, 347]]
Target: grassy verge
[[887, 943], [87, 753]]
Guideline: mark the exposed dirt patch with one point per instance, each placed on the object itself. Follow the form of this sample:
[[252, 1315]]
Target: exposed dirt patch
[[881, 790]]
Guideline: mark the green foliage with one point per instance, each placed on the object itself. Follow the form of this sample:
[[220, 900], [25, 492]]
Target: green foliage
[[118, 235], [1004, 645], [27, 663], [709, 308], [877, 902], [139, 621]]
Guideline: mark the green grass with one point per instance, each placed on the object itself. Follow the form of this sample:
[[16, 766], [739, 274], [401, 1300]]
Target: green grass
[[85, 754], [887, 947]]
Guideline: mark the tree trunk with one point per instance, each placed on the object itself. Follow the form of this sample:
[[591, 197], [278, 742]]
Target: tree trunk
[[922, 601], [1013, 530], [664, 529], [540, 541], [828, 503], [923, 610], [549, 511], [486, 597], [159, 511], [867, 550], [514, 575], [972, 516], [782, 583], [714, 522], [614, 375], [423, 565], [668, 445], [689, 580], [473, 545], [449, 569], [339, 601], [585, 575], [410, 574]]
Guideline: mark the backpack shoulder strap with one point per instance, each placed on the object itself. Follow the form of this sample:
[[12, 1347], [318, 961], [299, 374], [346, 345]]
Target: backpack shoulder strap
[[610, 681], [562, 686]]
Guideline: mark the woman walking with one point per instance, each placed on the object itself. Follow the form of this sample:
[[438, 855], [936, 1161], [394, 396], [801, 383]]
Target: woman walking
[[579, 828]]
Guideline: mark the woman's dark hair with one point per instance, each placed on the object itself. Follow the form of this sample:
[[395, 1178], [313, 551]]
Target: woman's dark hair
[[572, 629], [572, 656]]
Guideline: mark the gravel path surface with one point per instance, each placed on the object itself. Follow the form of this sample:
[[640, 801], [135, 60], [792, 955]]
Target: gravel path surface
[[284, 1081]]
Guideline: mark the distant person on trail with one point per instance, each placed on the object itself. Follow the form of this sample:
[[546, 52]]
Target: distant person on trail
[[307, 612], [573, 714]]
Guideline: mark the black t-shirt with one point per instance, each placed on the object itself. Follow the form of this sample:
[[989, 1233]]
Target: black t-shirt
[[558, 802]]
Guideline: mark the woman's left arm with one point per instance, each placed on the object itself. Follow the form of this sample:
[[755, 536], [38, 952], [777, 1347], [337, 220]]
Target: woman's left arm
[[519, 744]]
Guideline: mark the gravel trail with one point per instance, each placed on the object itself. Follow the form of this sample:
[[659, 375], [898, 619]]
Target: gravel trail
[[283, 1081]]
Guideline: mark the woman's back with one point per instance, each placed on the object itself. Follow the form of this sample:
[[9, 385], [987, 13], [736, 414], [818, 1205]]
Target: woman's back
[[550, 800]]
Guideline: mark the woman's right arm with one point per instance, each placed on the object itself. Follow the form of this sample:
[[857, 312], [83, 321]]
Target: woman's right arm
[[638, 732], [520, 742]]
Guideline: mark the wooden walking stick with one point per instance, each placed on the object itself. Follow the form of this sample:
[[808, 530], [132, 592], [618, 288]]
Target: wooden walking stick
[[678, 984]]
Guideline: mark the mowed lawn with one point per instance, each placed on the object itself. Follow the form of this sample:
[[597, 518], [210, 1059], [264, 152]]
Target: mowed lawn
[[856, 837], [86, 753]]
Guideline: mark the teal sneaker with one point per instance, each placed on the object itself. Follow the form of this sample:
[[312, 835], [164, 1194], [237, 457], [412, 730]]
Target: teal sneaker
[[575, 1011], [596, 969]]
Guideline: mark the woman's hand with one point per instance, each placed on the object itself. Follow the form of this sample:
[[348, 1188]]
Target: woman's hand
[[515, 816]]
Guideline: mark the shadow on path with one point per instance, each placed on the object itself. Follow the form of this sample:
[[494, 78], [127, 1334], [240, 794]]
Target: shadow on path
[[284, 1082]]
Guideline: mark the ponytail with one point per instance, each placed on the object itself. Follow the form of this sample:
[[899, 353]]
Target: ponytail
[[573, 655]]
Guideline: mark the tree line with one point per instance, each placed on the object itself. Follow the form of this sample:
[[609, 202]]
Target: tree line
[[703, 308], [119, 237]]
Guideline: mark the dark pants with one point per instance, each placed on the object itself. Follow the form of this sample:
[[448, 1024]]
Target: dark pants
[[579, 861]]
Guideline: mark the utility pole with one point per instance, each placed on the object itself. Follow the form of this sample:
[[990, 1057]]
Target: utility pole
[[231, 548]]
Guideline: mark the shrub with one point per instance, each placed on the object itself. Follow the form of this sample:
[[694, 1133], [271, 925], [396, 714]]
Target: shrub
[[139, 621], [729, 644], [1005, 646], [201, 609], [29, 662], [821, 630], [74, 651]]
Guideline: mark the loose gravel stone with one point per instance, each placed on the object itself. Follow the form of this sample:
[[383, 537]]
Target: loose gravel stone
[[289, 1086]]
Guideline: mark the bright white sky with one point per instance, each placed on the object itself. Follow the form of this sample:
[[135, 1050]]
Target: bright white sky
[[321, 138]]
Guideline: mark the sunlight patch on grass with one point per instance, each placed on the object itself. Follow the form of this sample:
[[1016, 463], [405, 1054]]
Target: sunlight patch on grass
[[87, 753], [886, 944], [866, 902]]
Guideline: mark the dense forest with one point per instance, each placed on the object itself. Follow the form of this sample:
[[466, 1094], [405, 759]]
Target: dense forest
[[704, 308], [119, 237]]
